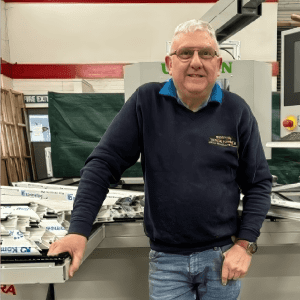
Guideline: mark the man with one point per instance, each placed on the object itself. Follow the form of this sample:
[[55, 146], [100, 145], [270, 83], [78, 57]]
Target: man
[[200, 147]]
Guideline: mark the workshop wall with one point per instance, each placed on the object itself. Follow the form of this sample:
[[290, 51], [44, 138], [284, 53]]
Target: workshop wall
[[4, 34], [69, 33], [60, 33], [93, 33]]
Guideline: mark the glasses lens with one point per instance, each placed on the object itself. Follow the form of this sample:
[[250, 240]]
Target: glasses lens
[[185, 53], [206, 53]]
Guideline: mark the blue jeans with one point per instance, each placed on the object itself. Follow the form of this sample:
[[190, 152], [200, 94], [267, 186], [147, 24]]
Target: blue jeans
[[190, 277]]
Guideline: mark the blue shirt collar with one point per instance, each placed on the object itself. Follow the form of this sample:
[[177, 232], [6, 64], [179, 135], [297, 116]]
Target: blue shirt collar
[[169, 89]]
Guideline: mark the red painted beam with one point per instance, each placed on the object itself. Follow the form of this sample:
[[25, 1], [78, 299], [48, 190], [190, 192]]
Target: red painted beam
[[100, 71], [71, 71], [29, 71], [62, 71], [6, 68]]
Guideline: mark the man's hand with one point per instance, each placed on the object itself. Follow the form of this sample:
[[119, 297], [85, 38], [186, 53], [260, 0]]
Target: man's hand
[[75, 245], [236, 263]]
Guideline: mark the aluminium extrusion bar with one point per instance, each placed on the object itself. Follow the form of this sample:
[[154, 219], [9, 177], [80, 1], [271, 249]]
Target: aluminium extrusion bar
[[43, 185], [295, 187], [281, 144], [73, 182], [285, 213], [94, 240], [63, 194], [132, 180], [280, 207], [41, 193], [127, 180], [279, 212], [32, 273]]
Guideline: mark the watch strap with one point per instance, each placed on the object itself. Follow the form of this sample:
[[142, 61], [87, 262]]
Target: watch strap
[[249, 247], [242, 243]]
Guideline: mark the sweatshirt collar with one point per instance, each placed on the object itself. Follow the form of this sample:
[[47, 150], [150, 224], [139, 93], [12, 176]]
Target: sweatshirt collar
[[169, 89]]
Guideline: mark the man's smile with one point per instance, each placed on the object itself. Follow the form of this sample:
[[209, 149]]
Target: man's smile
[[195, 75]]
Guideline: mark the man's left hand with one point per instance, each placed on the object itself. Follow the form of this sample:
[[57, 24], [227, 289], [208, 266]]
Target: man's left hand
[[236, 263]]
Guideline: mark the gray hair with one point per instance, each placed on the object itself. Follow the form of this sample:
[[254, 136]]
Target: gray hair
[[193, 25]]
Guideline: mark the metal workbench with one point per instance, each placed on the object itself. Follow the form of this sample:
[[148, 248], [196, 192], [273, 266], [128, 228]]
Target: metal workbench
[[116, 262], [117, 267], [50, 272]]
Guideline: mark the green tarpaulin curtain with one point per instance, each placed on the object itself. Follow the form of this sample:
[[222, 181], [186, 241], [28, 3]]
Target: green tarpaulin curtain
[[77, 123]]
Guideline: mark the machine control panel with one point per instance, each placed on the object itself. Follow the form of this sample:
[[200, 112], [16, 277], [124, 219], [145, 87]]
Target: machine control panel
[[290, 82]]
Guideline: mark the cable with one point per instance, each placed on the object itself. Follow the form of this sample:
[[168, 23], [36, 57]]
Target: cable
[[229, 53]]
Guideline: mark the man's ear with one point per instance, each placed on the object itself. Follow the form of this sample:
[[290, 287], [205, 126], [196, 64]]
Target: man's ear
[[168, 62], [220, 66]]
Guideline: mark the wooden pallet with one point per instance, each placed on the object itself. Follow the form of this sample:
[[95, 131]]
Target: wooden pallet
[[16, 150]]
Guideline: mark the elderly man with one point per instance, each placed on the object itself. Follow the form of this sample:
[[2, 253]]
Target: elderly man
[[200, 148]]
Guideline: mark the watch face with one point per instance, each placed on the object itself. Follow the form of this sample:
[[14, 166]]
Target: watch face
[[253, 247]]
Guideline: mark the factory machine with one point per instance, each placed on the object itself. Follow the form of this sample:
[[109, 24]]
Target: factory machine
[[290, 90], [42, 211]]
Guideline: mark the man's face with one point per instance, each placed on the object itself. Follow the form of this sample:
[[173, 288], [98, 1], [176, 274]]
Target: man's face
[[194, 78]]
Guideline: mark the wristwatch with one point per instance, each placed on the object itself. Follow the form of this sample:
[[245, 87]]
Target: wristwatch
[[251, 247]]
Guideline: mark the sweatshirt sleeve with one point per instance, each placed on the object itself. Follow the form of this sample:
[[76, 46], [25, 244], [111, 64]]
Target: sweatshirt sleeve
[[253, 177], [118, 149]]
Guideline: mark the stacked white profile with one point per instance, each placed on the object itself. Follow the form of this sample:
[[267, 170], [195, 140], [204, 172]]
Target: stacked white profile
[[35, 215]]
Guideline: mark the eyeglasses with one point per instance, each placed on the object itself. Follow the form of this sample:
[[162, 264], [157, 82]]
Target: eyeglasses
[[188, 53]]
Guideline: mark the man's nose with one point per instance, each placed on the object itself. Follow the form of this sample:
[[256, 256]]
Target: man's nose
[[196, 61]]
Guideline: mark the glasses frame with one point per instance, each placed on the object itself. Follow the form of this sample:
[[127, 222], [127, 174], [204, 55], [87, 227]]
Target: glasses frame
[[186, 59]]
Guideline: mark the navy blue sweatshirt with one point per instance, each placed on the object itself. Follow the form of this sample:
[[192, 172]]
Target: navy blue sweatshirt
[[195, 165]]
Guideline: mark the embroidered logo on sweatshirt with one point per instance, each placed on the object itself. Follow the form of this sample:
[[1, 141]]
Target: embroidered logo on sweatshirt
[[223, 140]]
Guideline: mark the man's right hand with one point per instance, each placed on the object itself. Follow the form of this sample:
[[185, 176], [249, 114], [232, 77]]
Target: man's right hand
[[74, 244]]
